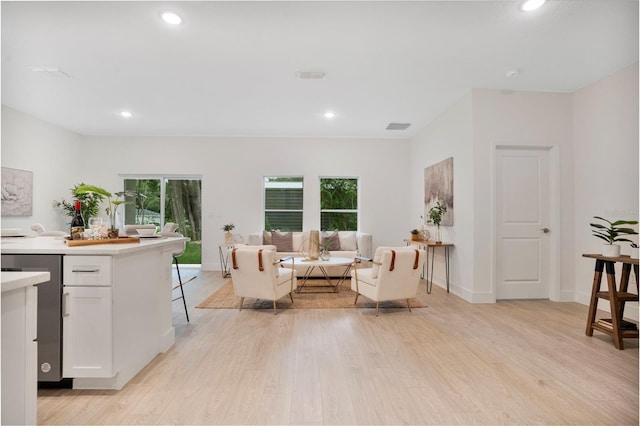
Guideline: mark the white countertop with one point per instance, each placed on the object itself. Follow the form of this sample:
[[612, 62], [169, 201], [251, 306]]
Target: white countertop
[[56, 245], [14, 280]]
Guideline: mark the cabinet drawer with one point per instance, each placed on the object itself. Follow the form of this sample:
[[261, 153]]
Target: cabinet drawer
[[87, 271]]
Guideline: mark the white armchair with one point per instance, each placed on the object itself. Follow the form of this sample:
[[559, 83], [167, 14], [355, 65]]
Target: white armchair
[[394, 275], [39, 228], [255, 273]]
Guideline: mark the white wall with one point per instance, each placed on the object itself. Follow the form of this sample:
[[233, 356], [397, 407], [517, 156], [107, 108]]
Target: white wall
[[469, 131], [232, 170], [529, 119], [605, 127], [450, 135], [53, 154]]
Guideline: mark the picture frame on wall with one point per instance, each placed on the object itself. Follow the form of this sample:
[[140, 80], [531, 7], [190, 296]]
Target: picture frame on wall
[[17, 192], [438, 187]]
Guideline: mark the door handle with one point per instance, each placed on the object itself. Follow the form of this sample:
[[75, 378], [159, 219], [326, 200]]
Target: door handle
[[545, 230], [65, 312]]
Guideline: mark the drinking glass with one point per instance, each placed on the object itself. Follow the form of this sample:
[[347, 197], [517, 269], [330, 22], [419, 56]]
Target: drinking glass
[[94, 224]]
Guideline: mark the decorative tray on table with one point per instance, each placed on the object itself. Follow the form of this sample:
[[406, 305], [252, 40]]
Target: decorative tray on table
[[119, 240]]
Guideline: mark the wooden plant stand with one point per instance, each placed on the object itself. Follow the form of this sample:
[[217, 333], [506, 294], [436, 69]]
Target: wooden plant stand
[[616, 326]]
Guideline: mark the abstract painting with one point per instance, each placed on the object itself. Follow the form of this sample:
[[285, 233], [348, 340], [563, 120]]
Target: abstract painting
[[438, 187], [17, 192]]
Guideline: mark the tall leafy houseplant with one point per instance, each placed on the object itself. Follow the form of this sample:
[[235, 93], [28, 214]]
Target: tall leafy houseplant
[[112, 206], [90, 203], [435, 214], [612, 232]]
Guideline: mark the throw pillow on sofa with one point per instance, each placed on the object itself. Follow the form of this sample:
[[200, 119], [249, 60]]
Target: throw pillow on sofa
[[266, 237], [331, 240], [282, 240], [348, 240]]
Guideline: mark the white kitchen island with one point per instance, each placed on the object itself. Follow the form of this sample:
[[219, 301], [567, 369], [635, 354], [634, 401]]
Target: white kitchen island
[[116, 305]]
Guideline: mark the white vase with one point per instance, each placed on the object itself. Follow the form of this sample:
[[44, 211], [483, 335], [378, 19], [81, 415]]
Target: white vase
[[611, 250]]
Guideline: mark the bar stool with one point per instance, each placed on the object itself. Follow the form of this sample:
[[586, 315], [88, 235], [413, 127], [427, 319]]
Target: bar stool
[[169, 231]]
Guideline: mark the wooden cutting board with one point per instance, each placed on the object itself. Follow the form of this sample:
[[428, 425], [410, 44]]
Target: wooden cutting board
[[123, 240]]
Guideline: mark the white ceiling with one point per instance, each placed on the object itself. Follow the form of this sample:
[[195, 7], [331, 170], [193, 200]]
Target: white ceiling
[[229, 69]]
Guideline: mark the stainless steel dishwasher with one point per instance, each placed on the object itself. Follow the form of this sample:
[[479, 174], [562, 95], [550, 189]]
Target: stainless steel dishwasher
[[49, 310]]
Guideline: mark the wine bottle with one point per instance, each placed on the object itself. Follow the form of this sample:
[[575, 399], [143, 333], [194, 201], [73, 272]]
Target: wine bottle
[[77, 224]]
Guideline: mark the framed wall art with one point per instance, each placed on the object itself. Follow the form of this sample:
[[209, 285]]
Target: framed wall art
[[438, 187], [17, 192]]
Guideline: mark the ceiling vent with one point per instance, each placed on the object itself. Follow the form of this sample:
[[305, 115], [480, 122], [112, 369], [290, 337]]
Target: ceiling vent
[[50, 71], [398, 126], [311, 74]]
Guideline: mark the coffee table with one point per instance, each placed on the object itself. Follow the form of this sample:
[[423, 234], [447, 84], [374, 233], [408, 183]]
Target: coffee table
[[309, 265]]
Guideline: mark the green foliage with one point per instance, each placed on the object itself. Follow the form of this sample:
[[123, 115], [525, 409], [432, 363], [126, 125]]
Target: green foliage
[[192, 253], [436, 212], [90, 203], [415, 231], [338, 194], [112, 205], [228, 227], [613, 232]]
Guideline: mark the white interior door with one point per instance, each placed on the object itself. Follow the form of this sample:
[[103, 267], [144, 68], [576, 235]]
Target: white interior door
[[522, 222]]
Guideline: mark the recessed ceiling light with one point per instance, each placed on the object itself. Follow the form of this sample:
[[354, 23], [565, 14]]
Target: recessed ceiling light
[[530, 5], [171, 18], [329, 114], [125, 114]]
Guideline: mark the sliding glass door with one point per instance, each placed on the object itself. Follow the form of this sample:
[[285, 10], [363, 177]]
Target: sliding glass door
[[158, 200]]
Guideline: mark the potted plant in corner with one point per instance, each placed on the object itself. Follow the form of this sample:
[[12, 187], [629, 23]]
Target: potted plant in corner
[[435, 214], [611, 233], [228, 236]]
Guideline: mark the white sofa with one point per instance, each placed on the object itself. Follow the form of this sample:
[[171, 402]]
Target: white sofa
[[351, 244]]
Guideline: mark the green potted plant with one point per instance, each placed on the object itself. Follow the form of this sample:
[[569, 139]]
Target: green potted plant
[[612, 232], [90, 203], [228, 236], [415, 235], [435, 214], [112, 206], [325, 254]]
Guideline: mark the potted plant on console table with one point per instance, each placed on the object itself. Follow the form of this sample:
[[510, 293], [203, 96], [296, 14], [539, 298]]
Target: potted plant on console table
[[435, 214], [228, 236], [611, 233]]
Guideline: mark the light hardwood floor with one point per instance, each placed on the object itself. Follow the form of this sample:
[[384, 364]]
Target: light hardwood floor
[[519, 362]]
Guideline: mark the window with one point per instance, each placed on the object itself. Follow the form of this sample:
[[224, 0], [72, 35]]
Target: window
[[162, 199], [283, 203], [339, 204]]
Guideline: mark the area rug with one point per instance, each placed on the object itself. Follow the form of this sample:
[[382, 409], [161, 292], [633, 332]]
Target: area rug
[[308, 298]]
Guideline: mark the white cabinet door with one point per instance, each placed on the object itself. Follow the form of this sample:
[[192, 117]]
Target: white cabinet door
[[87, 332], [19, 356]]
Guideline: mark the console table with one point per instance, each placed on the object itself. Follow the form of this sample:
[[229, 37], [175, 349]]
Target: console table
[[430, 244], [617, 296]]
